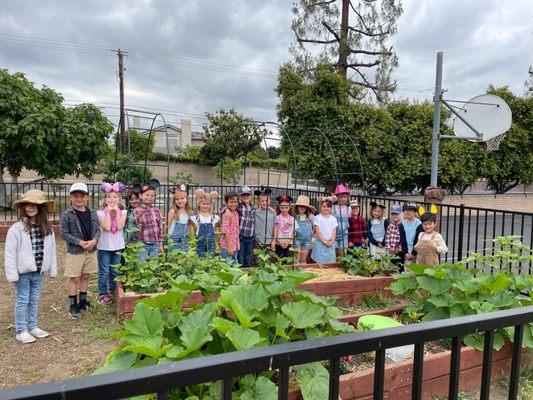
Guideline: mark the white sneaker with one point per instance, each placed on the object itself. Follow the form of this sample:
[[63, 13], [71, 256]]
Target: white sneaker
[[25, 337], [39, 333]]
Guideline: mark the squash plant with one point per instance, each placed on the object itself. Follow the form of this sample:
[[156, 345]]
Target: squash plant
[[260, 308], [358, 261]]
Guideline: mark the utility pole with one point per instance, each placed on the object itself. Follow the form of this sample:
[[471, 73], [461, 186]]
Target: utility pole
[[436, 121], [122, 122], [344, 49]]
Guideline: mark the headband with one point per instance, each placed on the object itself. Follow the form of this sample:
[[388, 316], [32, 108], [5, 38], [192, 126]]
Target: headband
[[115, 187], [179, 188]]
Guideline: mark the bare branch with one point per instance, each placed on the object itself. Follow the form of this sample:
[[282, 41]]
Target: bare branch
[[322, 3], [332, 31], [316, 41], [368, 33], [371, 53], [368, 65]]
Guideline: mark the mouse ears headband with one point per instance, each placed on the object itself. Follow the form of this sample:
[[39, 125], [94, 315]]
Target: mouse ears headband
[[374, 205], [263, 191], [432, 209], [203, 196], [179, 188], [331, 198], [115, 187], [284, 200], [138, 188]]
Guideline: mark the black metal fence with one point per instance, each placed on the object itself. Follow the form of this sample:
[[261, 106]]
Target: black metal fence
[[225, 367]]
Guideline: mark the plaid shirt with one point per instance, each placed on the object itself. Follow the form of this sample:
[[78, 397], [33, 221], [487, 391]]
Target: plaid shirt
[[148, 220], [246, 227], [392, 237], [356, 229], [37, 246]]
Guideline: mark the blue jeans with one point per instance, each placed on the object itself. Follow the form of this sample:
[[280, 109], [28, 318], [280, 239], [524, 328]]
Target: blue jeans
[[233, 258], [205, 242], [28, 289], [246, 251], [180, 237], [106, 273], [150, 250]]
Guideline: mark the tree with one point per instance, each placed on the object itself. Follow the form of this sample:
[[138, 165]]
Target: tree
[[38, 133], [529, 84], [229, 170], [353, 35], [137, 143], [229, 134], [124, 170], [273, 152]]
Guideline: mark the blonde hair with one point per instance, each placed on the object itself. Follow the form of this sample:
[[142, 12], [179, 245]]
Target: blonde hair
[[120, 205], [187, 207]]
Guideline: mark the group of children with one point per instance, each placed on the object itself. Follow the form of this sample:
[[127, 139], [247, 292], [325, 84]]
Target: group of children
[[95, 239]]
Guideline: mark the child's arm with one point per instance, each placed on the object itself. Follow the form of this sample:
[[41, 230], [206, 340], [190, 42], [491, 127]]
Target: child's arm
[[419, 230], [441, 244], [403, 240], [275, 238], [170, 217], [53, 265], [105, 221], [363, 228], [370, 235], [10, 256], [224, 230], [122, 215], [65, 232]]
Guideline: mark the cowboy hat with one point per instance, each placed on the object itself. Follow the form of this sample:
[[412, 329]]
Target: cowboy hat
[[37, 197], [303, 201], [341, 189]]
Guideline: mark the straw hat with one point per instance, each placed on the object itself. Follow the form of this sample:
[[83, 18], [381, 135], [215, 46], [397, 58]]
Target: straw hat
[[303, 201], [37, 197]]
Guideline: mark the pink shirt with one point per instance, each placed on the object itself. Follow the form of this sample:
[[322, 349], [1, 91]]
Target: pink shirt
[[110, 241], [230, 228]]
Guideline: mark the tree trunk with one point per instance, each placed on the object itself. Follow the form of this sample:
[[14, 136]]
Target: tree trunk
[[3, 190], [344, 50]]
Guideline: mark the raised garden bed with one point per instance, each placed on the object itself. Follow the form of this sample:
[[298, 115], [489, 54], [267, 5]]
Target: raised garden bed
[[398, 376]]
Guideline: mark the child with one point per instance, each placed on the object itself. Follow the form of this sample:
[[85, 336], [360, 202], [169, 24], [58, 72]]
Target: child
[[376, 229], [412, 227], [430, 243], [356, 226], [395, 241], [30, 252], [229, 238], [284, 229], [81, 231], [246, 230], [112, 219], [178, 219], [133, 202], [205, 222], [304, 227], [325, 227], [148, 221], [342, 212], [264, 220]]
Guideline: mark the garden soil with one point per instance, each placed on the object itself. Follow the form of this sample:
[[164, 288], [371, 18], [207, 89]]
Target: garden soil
[[74, 348]]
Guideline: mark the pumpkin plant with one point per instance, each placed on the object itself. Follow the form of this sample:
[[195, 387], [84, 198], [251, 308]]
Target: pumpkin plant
[[358, 261]]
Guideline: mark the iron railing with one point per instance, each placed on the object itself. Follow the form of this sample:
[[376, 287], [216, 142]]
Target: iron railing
[[225, 367]]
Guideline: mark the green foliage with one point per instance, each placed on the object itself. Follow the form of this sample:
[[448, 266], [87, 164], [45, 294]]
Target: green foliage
[[124, 170], [191, 153], [247, 311], [374, 322], [229, 170], [183, 177], [35, 128], [136, 144], [358, 261]]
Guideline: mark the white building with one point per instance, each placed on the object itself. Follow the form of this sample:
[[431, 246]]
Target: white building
[[177, 138]]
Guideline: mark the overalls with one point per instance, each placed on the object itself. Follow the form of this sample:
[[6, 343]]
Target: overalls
[[179, 233], [341, 237], [303, 234], [426, 253], [205, 238]]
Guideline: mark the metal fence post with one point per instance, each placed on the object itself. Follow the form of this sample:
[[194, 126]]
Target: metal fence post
[[461, 232]]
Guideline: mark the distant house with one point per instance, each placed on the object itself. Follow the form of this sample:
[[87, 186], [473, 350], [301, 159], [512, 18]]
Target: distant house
[[177, 138]]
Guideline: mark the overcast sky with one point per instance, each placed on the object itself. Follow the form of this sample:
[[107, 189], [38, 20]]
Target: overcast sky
[[225, 53]]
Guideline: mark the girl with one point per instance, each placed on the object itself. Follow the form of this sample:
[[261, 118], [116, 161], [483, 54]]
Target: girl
[[284, 229], [325, 229], [356, 226], [304, 227], [229, 238], [148, 221], [395, 241], [179, 218], [30, 252], [376, 229], [133, 202], [205, 223], [430, 243], [112, 219], [341, 211]]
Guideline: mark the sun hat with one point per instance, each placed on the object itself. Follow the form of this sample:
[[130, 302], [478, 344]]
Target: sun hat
[[341, 189], [284, 200], [79, 187], [34, 196], [354, 203], [396, 209], [303, 201], [245, 190], [410, 206]]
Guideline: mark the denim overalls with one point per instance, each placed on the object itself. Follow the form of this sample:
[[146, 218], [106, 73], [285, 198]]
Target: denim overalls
[[304, 232], [341, 237], [179, 233], [205, 238]]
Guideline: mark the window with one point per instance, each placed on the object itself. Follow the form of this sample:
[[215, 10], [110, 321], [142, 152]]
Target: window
[[172, 140]]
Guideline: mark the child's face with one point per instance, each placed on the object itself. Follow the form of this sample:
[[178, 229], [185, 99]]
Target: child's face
[[263, 202], [232, 203], [395, 217], [148, 197], [134, 200], [325, 208], [31, 210], [355, 210], [112, 199], [284, 210], [409, 214], [377, 212], [246, 198], [180, 198], [429, 226], [79, 199], [302, 209], [343, 198], [205, 206]]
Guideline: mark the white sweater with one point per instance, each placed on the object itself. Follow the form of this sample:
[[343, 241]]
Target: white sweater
[[19, 257]]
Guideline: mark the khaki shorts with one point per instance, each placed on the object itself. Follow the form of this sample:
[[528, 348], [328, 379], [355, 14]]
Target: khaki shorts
[[77, 264]]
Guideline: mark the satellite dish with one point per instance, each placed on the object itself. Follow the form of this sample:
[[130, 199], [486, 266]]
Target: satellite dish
[[488, 113]]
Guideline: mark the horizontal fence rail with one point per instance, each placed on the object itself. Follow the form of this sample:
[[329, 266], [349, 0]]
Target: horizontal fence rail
[[226, 367]]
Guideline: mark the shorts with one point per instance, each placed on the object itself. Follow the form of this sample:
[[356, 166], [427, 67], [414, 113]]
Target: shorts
[[77, 264], [302, 243]]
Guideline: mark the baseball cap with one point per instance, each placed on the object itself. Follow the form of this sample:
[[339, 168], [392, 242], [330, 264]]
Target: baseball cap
[[396, 209], [245, 190], [79, 187], [410, 206]]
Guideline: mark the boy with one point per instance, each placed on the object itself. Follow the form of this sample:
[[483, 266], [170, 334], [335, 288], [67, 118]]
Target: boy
[[80, 229], [356, 226], [412, 227], [264, 221], [395, 241], [148, 221], [246, 228], [229, 238], [430, 243]]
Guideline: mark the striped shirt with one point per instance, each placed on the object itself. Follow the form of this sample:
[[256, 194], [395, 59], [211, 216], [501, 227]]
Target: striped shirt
[[37, 246]]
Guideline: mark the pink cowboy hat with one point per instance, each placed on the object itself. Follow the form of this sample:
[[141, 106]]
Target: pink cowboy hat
[[341, 189]]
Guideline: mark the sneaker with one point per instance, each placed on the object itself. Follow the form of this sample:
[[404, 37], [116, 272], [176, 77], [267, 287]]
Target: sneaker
[[25, 337], [105, 300], [84, 305], [39, 333], [74, 311]]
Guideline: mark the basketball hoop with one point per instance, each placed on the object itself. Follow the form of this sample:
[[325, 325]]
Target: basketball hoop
[[493, 144]]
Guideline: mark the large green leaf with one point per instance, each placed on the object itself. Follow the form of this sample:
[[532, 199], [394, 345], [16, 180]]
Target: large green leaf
[[146, 321], [314, 381], [171, 299], [340, 327], [119, 362], [222, 325], [402, 286], [303, 314], [194, 339], [200, 318], [262, 389], [150, 345], [244, 338], [433, 285], [438, 273], [443, 300], [280, 287]]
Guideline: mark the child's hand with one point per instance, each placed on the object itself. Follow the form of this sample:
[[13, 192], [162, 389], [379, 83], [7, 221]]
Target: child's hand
[[409, 257], [83, 244], [273, 246]]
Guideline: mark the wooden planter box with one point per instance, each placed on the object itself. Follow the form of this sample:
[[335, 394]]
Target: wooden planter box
[[398, 376]]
